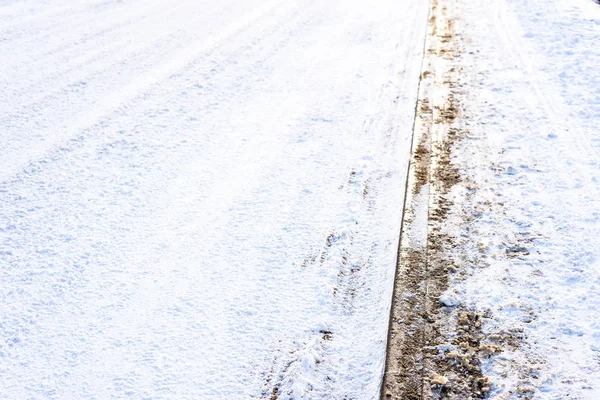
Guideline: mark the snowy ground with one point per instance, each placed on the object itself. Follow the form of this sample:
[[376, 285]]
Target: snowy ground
[[528, 210], [201, 200]]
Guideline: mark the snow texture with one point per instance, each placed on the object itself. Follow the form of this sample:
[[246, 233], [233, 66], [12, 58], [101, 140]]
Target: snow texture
[[199, 199], [532, 156]]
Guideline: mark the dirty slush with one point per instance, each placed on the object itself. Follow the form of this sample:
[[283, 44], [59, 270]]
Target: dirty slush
[[435, 346]]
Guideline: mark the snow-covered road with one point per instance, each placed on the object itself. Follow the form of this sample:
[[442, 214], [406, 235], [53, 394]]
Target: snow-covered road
[[199, 199]]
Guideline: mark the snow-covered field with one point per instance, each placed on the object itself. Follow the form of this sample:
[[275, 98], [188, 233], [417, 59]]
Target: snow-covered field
[[200, 199]]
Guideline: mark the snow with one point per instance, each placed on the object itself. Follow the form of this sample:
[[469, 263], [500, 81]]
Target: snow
[[201, 199], [531, 159]]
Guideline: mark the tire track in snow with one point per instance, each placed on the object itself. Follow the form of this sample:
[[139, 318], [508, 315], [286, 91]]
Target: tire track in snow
[[547, 98], [138, 86], [304, 368], [81, 21], [96, 60]]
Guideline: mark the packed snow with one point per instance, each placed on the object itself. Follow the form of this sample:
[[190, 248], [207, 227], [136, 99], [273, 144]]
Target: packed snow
[[199, 199]]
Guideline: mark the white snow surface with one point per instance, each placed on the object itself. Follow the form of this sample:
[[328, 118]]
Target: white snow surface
[[532, 153], [200, 199]]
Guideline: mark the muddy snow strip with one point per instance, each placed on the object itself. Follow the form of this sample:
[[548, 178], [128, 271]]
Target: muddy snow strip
[[435, 345], [525, 216]]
